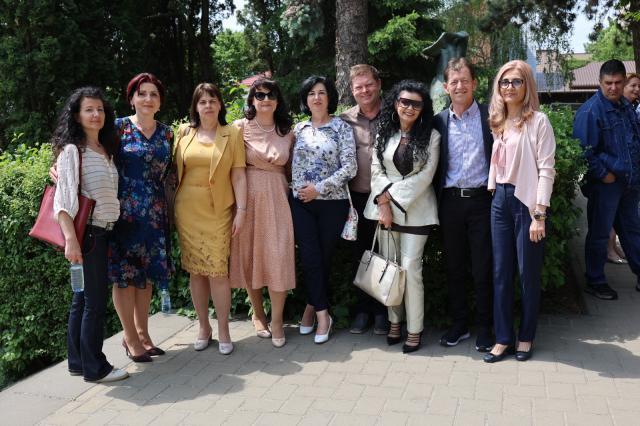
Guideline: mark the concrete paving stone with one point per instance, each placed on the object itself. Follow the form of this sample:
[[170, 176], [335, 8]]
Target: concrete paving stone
[[517, 406], [624, 405], [419, 391], [625, 419], [374, 367], [526, 391], [250, 368], [226, 405], [244, 391], [313, 368], [593, 404], [149, 392], [92, 405], [329, 380], [470, 366], [442, 405], [496, 377], [406, 405], [346, 367], [385, 391], [628, 390], [430, 419], [135, 418], [583, 419], [222, 385], [348, 391], [298, 357], [270, 419], [431, 378], [561, 391], [261, 405], [478, 406], [102, 417], [457, 378], [470, 419], [508, 420], [175, 393], [123, 405], [537, 365], [564, 405], [489, 391], [574, 378], [367, 379], [353, 419], [331, 405], [316, 419], [531, 378], [65, 419], [314, 392], [392, 419], [391, 354], [299, 380], [296, 405], [198, 404], [604, 389], [204, 419], [467, 392], [548, 418], [409, 366], [369, 405], [261, 380]]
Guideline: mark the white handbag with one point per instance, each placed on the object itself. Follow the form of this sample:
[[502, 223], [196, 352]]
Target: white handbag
[[350, 230], [379, 277]]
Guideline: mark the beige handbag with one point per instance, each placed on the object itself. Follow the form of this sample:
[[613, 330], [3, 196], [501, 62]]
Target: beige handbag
[[379, 277]]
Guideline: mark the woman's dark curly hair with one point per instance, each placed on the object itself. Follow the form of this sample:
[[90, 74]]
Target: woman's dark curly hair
[[281, 115], [68, 130], [332, 93], [389, 124]]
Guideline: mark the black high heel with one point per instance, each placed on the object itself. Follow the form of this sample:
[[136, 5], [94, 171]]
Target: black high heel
[[155, 351], [145, 357], [412, 338], [395, 334]]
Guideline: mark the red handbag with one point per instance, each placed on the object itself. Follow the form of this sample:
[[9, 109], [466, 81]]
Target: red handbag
[[48, 229]]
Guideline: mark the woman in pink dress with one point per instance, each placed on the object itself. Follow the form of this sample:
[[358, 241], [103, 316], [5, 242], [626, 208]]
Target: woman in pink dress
[[262, 255]]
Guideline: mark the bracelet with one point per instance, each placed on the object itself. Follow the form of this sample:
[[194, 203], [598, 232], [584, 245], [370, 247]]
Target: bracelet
[[539, 216], [241, 208]]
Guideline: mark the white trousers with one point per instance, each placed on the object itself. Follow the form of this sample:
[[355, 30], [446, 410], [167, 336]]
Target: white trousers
[[409, 249]]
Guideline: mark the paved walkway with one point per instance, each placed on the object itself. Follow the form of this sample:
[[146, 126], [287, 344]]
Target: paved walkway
[[585, 371]]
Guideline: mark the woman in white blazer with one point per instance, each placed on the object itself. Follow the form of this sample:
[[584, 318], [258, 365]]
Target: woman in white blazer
[[402, 197]]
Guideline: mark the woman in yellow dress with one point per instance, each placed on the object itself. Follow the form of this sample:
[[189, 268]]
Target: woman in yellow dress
[[210, 207]]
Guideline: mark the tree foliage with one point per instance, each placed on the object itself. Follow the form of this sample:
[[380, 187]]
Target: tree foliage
[[611, 43]]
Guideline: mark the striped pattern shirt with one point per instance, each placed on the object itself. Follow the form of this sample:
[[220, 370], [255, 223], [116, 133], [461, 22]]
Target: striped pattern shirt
[[99, 182]]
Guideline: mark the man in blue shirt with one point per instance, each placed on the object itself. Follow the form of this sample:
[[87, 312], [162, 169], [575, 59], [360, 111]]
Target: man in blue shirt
[[607, 128], [465, 203]]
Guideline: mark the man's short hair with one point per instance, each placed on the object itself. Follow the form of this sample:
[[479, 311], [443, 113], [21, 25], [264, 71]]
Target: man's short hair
[[362, 69], [613, 67], [456, 64]]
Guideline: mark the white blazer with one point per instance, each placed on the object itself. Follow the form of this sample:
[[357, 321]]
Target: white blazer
[[413, 197]]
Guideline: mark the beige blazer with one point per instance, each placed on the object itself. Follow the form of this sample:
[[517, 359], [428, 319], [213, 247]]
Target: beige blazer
[[413, 197], [228, 152]]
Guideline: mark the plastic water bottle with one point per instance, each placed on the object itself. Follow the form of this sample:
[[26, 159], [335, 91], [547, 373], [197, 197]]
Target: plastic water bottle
[[77, 277], [165, 301]]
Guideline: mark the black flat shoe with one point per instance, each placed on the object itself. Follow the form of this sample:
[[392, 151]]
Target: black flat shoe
[[524, 356], [155, 351], [491, 358]]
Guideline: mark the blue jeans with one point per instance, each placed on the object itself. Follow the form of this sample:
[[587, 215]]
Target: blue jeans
[[510, 222], [86, 316], [611, 205]]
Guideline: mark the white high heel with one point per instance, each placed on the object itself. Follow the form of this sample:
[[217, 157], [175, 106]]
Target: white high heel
[[322, 338], [225, 348], [202, 344], [305, 329]]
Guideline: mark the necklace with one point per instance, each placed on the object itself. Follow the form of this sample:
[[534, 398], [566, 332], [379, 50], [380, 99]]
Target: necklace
[[404, 135], [263, 129]]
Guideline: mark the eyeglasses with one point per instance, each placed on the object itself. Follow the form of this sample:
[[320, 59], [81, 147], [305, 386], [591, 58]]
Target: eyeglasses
[[406, 103], [261, 96], [516, 83]]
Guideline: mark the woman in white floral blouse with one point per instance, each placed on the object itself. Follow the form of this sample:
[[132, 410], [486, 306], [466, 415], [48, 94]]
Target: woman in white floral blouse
[[323, 162]]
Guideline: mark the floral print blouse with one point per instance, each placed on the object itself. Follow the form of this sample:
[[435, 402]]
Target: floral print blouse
[[324, 156]]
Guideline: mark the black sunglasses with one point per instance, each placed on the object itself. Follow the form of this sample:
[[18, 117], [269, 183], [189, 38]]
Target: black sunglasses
[[406, 103], [261, 96], [516, 83]]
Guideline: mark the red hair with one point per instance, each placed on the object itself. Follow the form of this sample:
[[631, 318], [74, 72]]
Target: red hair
[[140, 79]]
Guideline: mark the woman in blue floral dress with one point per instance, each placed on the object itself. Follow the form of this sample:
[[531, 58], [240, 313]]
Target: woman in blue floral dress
[[138, 252]]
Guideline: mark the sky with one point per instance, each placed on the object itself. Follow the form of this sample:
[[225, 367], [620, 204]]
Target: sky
[[580, 36]]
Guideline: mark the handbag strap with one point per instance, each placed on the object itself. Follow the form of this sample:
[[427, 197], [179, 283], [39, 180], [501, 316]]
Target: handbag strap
[[389, 235], [349, 195], [79, 172]]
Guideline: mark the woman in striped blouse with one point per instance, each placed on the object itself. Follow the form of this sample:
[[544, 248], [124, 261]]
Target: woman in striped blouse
[[84, 144]]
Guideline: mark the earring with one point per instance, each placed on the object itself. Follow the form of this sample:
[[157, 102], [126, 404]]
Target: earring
[[396, 118], [421, 120]]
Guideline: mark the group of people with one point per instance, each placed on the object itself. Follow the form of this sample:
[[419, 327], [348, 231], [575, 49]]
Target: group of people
[[247, 192]]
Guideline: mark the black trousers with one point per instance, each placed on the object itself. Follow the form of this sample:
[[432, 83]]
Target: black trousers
[[317, 226], [466, 235], [366, 229]]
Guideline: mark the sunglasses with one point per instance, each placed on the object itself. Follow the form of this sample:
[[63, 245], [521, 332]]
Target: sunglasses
[[406, 103], [516, 83], [261, 96]]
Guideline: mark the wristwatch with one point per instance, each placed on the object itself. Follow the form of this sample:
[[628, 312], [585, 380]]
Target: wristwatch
[[539, 215]]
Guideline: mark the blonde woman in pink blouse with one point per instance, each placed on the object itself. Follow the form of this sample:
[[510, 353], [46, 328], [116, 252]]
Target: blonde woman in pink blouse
[[521, 176]]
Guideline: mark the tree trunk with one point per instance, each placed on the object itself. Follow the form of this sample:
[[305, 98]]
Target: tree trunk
[[351, 43], [204, 41]]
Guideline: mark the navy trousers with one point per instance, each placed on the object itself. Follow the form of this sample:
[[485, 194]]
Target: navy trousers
[[510, 222], [85, 331], [317, 226], [611, 205]]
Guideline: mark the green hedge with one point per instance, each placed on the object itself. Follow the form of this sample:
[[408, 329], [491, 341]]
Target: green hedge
[[34, 286]]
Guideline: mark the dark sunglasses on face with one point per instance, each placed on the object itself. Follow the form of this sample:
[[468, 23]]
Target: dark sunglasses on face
[[261, 96], [406, 103], [516, 83]]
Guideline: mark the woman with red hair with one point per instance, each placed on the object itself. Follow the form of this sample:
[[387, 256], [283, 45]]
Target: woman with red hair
[[138, 251], [521, 177]]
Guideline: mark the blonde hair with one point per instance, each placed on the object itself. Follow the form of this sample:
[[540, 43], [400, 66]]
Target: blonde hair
[[632, 75], [498, 108], [362, 69]]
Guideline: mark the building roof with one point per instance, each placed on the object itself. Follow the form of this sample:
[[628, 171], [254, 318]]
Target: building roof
[[587, 77], [249, 80]]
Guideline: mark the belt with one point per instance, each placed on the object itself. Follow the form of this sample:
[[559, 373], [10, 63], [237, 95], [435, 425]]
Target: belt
[[468, 192], [107, 226]]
